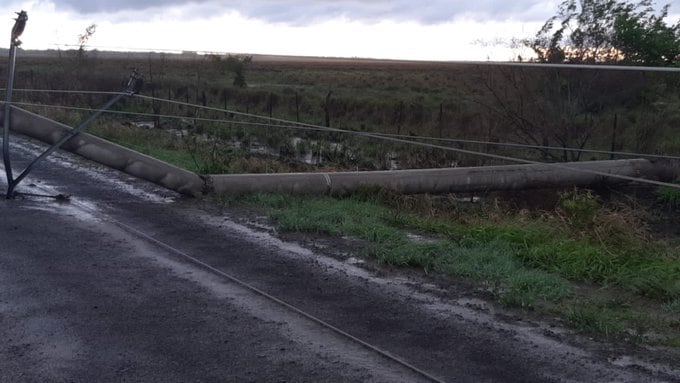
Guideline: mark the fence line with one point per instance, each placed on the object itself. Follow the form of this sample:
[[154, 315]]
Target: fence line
[[441, 147], [311, 127]]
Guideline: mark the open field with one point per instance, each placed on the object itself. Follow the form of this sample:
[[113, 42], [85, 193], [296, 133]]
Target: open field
[[605, 110]]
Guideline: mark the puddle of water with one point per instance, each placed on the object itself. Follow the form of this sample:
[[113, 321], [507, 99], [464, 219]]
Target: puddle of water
[[65, 209], [100, 176], [627, 361], [419, 238]]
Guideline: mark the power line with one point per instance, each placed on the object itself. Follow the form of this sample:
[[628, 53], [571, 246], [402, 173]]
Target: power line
[[170, 116], [65, 91], [298, 125], [403, 136], [537, 147], [572, 66], [423, 144]]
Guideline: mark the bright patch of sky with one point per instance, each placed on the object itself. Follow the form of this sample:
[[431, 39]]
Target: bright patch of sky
[[394, 29]]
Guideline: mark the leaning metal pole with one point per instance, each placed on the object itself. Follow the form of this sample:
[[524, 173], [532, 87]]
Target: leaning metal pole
[[8, 111], [14, 43], [60, 142], [133, 87]]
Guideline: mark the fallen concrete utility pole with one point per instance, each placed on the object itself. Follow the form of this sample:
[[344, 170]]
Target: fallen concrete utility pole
[[107, 153], [449, 180]]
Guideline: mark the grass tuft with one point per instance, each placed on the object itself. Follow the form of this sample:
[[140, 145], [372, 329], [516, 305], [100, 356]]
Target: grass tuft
[[595, 318]]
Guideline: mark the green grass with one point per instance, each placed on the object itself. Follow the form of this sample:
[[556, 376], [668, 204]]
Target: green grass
[[533, 245], [492, 264], [172, 156], [669, 196], [528, 264], [641, 269], [618, 319], [338, 217], [597, 319], [158, 144]]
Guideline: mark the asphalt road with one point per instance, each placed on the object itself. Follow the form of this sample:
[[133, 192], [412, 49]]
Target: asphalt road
[[113, 286]]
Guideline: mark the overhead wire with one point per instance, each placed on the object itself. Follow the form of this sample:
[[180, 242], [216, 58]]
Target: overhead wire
[[170, 116], [295, 124], [537, 147], [394, 139], [302, 126], [64, 91]]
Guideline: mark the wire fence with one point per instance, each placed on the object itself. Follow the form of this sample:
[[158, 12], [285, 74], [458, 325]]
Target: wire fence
[[287, 124], [260, 121]]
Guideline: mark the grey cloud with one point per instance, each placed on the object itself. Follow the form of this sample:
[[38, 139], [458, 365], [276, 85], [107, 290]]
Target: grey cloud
[[308, 11]]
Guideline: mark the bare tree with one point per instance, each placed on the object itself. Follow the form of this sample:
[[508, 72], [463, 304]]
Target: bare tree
[[84, 38], [551, 107]]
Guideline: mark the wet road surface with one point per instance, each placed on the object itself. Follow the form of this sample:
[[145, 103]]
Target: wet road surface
[[101, 289]]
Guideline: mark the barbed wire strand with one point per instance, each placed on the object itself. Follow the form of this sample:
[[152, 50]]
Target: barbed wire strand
[[318, 128], [170, 116], [398, 136], [537, 147], [65, 91], [409, 137]]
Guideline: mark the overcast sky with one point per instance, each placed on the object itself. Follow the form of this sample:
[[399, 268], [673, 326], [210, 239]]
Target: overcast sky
[[398, 29]]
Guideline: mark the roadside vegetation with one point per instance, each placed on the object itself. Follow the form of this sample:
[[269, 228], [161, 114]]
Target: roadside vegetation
[[588, 262]]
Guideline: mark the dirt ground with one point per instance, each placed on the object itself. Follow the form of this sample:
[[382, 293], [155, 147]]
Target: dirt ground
[[114, 285]]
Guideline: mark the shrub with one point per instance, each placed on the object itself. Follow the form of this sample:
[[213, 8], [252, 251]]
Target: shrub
[[580, 208]]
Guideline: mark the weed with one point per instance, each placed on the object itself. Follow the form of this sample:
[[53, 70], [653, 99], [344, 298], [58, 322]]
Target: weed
[[339, 217], [673, 307], [492, 265], [595, 318], [619, 229], [669, 196], [526, 287], [580, 208]]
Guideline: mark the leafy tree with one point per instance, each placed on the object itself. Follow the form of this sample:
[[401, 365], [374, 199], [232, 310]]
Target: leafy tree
[[644, 38], [607, 31], [235, 64]]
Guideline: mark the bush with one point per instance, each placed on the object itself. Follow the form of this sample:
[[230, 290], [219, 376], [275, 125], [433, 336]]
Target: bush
[[580, 208]]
